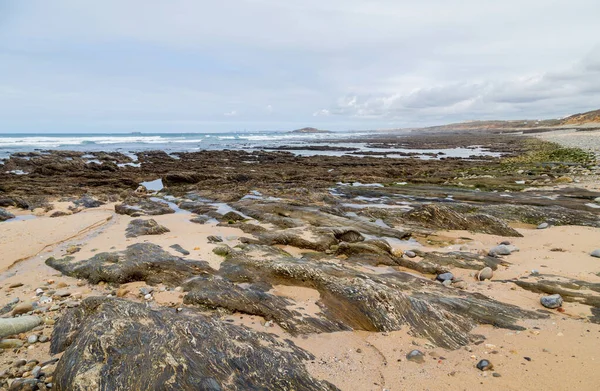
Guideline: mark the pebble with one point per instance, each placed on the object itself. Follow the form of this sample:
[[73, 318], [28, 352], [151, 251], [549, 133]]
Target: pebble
[[444, 276], [43, 338], [32, 339], [447, 283], [484, 365], [552, 301], [39, 291], [416, 356], [62, 293], [22, 308], [15, 285], [410, 254], [595, 253], [146, 290], [148, 296], [10, 343], [37, 370], [19, 363], [496, 374], [485, 274], [543, 226]]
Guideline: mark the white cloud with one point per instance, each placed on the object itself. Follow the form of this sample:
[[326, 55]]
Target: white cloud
[[231, 113]]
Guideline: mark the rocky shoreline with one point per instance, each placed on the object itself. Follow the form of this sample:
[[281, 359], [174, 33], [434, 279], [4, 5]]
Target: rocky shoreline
[[269, 270]]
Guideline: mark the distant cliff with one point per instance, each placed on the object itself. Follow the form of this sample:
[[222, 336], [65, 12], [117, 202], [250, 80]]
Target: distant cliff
[[309, 130]]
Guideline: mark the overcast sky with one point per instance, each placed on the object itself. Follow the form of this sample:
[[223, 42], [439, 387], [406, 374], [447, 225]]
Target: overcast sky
[[230, 65]]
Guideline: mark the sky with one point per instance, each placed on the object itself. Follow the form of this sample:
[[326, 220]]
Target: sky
[[235, 65]]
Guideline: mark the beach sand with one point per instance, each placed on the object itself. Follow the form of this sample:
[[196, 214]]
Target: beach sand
[[558, 353]]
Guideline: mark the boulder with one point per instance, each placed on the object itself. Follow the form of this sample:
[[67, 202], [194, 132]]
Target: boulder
[[139, 227]]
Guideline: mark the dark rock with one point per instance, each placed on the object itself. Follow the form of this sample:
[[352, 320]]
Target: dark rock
[[142, 206], [441, 217], [180, 249], [5, 215], [214, 239], [439, 262], [485, 365], [88, 202], [139, 262], [232, 216], [59, 213], [552, 301], [382, 302], [139, 227], [174, 351], [200, 219]]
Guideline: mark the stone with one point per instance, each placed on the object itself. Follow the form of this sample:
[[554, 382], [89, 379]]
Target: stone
[[233, 216], [595, 253], [15, 285], [485, 274], [410, 254], [142, 206], [198, 352], [10, 343], [214, 239], [36, 371], [543, 226], [72, 249], [551, 301], [32, 339], [485, 365], [43, 339], [501, 249], [22, 308], [5, 215], [62, 293], [139, 227], [416, 356], [145, 290], [444, 276], [180, 249], [222, 250], [447, 283]]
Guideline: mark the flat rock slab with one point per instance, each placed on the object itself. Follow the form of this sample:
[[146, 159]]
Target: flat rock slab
[[139, 227], [161, 349]]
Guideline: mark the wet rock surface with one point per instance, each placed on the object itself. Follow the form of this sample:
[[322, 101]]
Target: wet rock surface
[[140, 207], [139, 262], [173, 351], [139, 227]]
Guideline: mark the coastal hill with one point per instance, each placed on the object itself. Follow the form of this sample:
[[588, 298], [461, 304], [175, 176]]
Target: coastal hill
[[309, 130], [587, 119]]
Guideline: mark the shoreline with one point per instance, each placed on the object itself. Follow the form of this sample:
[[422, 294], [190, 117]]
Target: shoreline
[[315, 249]]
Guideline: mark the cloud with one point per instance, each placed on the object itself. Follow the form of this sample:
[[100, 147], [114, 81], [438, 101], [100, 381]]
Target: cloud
[[69, 64], [231, 113]]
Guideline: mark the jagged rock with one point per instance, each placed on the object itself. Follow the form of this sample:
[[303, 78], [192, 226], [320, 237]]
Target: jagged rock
[[441, 217], [139, 227], [59, 213], [570, 290], [88, 202], [438, 262], [309, 238], [372, 302], [141, 206], [200, 219], [139, 262], [214, 239], [232, 216], [113, 344], [216, 293], [14, 201], [5, 215]]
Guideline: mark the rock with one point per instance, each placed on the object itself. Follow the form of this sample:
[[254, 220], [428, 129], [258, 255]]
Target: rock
[[5, 215], [88, 202], [445, 276], [24, 385], [142, 206], [447, 283], [502, 249], [43, 338], [139, 262], [180, 249], [496, 374], [595, 253], [32, 339], [72, 249], [15, 285], [128, 335], [410, 254], [139, 227], [551, 301], [146, 290], [232, 216], [22, 308], [36, 371], [485, 365], [214, 239], [200, 219], [10, 343], [62, 293], [416, 356], [543, 226], [441, 217], [485, 274], [222, 250], [148, 297], [60, 213]]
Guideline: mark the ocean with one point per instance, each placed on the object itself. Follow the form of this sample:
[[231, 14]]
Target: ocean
[[130, 143]]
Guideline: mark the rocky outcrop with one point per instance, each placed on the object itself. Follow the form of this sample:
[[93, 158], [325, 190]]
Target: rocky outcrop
[[5, 215], [139, 227], [441, 217], [160, 349], [140, 206], [139, 262]]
